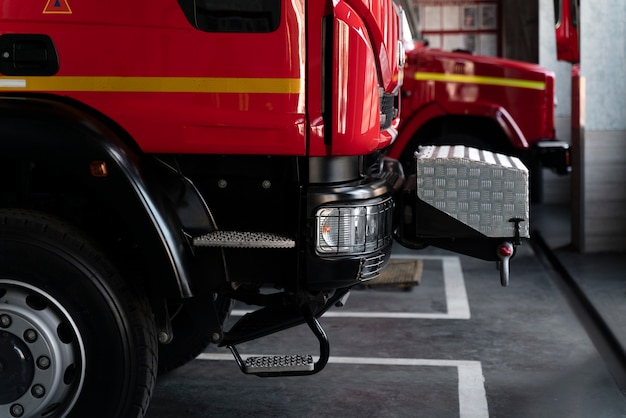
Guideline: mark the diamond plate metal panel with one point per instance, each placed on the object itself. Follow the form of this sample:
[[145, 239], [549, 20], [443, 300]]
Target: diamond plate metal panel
[[481, 189]]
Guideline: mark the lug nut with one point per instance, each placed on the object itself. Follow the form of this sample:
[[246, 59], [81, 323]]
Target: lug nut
[[5, 321], [30, 335], [38, 391], [17, 410], [43, 362]]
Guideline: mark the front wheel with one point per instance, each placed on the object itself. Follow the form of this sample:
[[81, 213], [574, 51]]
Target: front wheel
[[75, 339]]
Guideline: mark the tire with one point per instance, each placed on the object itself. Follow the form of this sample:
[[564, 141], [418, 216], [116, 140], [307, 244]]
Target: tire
[[88, 341], [191, 330]]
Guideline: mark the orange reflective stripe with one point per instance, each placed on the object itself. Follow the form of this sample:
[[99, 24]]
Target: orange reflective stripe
[[153, 84]]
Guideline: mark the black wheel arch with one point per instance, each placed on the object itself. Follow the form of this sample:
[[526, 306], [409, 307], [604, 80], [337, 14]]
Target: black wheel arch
[[484, 132], [469, 125], [63, 138]]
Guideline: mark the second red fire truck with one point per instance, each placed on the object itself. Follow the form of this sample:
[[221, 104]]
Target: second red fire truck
[[455, 97]]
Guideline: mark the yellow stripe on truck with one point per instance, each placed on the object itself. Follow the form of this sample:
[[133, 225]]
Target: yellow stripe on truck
[[153, 84], [474, 79]]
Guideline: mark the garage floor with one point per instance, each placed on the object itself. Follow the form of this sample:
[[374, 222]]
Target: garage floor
[[456, 345]]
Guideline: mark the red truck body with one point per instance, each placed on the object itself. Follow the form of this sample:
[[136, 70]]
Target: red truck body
[[518, 96], [161, 160], [168, 80]]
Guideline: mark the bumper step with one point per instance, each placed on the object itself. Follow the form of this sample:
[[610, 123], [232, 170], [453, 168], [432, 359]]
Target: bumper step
[[288, 365], [243, 239], [278, 364]]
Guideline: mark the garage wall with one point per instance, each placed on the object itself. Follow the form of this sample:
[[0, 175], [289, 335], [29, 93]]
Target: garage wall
[[603, 65], [470, 25], [601, 176]]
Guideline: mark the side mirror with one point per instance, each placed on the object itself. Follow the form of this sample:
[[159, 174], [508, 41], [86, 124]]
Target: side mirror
[[567, 29]]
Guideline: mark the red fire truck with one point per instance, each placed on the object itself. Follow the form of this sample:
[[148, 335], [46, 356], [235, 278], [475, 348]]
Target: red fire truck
[[487, 102], [161, 160], [567, 21]]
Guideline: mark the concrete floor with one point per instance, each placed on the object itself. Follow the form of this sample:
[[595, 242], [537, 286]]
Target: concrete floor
[[457, 345]]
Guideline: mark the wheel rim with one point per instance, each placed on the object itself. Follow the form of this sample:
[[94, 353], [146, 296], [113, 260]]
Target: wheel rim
[[41, 353]]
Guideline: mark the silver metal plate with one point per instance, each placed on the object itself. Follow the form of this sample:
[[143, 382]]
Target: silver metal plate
[[482, 189]]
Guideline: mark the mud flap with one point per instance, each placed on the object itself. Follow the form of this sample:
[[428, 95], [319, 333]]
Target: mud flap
[[466, 200]]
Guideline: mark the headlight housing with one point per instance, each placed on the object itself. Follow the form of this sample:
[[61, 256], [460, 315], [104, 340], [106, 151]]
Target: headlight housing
[[353, 229]]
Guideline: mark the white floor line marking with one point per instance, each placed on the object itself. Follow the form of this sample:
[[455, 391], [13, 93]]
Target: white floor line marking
[[471, 382], [454, 286], [456, 295]]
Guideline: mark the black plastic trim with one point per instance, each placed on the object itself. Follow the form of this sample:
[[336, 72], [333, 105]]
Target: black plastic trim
[[327, 76], [332, 272], [334, 169]]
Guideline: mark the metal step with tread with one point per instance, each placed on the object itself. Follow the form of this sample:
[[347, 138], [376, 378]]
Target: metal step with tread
[[243, 239], [279, 364], [287, 365]]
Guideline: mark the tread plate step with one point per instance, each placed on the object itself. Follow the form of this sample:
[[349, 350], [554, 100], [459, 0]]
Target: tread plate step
[[279, 364], [287, 365], [242, 239]]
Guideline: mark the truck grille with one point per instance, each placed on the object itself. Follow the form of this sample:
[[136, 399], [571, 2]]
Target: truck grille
[[388, 110], [371, 267]]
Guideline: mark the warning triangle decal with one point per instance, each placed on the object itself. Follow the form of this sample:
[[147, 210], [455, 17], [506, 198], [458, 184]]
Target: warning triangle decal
[[57, 7]]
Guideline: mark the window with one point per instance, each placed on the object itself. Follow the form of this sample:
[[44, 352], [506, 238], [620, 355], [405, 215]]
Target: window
[[461, 25], [232, 15]]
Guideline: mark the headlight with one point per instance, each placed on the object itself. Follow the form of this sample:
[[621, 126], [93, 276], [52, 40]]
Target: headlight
[[353, 229]]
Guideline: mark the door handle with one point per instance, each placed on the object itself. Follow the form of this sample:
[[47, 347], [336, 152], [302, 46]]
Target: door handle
[[28, 55]]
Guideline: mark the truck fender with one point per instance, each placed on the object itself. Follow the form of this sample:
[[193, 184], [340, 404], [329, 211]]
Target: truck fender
[[70, 138], [498, 113], [435, 110]]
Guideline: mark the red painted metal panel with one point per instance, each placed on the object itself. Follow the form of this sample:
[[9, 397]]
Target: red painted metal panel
[[470, 85], [177, 89], [153, 41]]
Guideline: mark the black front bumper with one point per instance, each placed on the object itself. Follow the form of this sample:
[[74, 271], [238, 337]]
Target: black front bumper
[[339, 270], [554, 155]]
